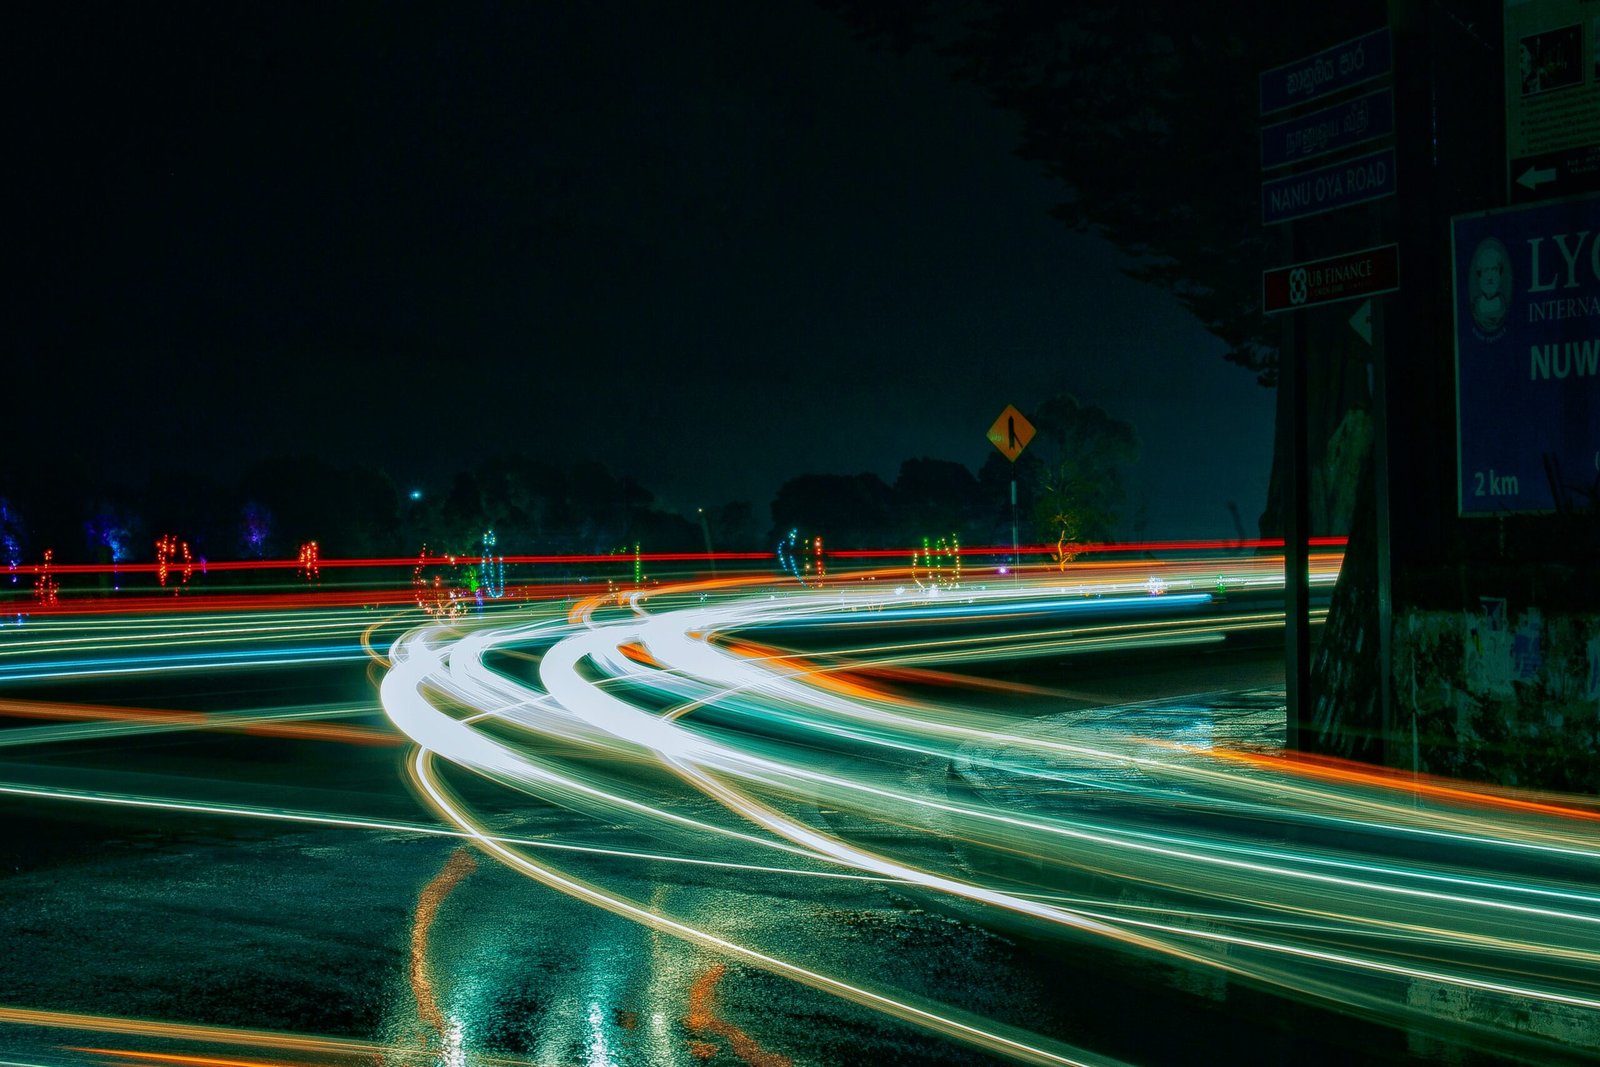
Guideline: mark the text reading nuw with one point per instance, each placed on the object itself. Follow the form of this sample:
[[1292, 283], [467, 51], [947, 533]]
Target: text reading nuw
[[1579, 359]]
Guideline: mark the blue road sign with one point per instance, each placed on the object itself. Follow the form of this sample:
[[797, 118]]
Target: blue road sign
[[1355, 61], [1337, 185], [1329, 129], [1527, 317]]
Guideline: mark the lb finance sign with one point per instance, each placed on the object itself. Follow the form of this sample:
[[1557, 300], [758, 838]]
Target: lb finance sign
[[1527, 324], [1327, 281]]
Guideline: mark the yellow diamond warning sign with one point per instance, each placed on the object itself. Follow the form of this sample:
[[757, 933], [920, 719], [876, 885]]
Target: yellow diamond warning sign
[[1011, 432]]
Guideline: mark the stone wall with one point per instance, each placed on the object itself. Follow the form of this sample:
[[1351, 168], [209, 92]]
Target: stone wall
[[1499, 694]]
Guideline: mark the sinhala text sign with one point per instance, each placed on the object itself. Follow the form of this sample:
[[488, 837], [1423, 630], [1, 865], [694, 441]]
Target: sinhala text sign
[[1527, 316]]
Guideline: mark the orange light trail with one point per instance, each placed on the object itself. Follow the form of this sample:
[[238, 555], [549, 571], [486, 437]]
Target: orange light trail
[[1452, 790], [179, 1058], [342, 733], [366, 1052], [703, 1018], [171, 1031], [433, 895]]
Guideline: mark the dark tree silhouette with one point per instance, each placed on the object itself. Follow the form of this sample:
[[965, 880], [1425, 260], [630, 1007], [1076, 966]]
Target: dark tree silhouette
[[526, 501], [935, 498], [347, 511], [845, 510], [1146, 114], [733, 528]]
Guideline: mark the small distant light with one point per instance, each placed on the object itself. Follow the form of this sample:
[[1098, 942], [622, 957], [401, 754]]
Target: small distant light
[[1003, 570], [416, 494]]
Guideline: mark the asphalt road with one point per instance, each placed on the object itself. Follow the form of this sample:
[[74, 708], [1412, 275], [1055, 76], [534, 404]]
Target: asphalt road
[[747, 825]]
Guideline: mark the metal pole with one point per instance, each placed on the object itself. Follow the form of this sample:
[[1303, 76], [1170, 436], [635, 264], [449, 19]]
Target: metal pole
[[1293, 369], [706, 530], [1016, 552], [1380, 488]]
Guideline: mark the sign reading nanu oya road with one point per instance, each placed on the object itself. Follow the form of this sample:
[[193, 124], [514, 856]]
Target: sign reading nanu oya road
[[1337, 185], [1355, 61], [1527, 317], [1327, 281]]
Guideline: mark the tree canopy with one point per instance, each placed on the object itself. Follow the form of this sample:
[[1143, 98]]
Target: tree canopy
[[1147, 116], [1079, 453]]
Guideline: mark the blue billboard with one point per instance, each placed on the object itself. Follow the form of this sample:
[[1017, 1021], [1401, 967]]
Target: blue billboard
[[1527, 321]]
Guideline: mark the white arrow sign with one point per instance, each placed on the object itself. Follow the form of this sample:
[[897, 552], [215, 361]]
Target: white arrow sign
[[1361, 321], [1533, 178]]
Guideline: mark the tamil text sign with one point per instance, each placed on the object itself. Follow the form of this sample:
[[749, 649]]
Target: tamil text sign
[[1328, 129]]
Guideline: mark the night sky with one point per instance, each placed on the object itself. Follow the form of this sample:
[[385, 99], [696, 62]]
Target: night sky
[[710, 246]]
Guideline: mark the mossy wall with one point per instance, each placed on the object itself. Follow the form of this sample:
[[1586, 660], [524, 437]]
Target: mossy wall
[[1501, 697]]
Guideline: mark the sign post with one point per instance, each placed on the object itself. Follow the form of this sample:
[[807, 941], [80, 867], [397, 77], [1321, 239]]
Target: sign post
[[1011, 433], [1293, 136]]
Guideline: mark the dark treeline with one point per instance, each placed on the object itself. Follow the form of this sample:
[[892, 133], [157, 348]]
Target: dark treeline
[[353, 511], [1068, 486], [532, 507]]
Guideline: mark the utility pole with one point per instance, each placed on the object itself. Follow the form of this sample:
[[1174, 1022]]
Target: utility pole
[[705, 529], [1016, 550]]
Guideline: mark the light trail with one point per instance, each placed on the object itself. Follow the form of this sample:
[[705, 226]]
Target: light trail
[[753, 729], [252, 586], [56, 649], [181, 1060], [1318, 918], [405, 563], [993, 1038], [458, 867], [353, 822], [89, 721], [229, 1036]]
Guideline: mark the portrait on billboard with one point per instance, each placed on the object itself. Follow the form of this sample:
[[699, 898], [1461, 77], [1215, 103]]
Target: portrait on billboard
[[1489, 286]]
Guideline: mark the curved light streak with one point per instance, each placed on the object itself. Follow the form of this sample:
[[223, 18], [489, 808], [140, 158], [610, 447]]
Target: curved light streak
[[1321, 920]]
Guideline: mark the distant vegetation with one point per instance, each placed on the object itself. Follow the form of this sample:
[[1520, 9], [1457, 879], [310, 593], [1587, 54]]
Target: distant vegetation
[[1069, 487]]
